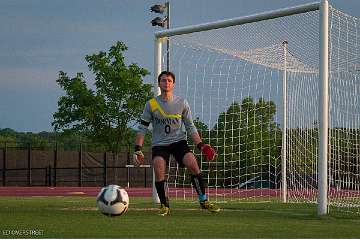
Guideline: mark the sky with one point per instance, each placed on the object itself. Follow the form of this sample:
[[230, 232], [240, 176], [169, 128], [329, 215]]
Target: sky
[[39, 38]]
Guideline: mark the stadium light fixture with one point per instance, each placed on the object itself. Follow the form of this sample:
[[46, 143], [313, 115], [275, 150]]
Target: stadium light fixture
[[159, 21], [158, 8], [163, 22]]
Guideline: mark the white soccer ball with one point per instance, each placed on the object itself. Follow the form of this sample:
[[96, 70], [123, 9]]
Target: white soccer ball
[[112, 200]]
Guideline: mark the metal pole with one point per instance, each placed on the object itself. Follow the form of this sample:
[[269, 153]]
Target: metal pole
[[128, 176], [157, 65], [240, 20], [322, 207], [127, 168], [49, 176], [80, 166], [145, 177], [283, 147], [167, 4], [157, 71], [55, 162], [4, 166], [29, 166], [105, 170]]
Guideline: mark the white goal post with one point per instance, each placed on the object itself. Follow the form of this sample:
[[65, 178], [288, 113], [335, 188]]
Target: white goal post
[[278, 62]]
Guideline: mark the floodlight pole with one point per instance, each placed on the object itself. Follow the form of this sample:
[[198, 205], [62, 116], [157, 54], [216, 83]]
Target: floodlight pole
[[322, 206], [167, 4]]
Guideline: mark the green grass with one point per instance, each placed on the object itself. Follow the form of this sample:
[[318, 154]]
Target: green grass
[[76, 217]]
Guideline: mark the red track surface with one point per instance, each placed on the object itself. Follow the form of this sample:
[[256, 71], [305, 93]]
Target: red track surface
[[66, 191], [179, 192], [133, 192]]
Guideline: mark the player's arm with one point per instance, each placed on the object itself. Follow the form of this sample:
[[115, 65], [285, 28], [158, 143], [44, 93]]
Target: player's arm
[[138, 156], [139, 140], [206, 149], [196, 138]]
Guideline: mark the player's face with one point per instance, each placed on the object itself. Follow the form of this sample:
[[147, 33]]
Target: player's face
[[166, 83]]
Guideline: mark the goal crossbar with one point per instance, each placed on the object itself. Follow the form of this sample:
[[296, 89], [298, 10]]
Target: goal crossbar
[[239, 20]]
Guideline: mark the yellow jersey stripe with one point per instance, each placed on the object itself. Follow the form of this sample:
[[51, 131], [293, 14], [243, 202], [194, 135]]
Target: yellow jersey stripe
[[154, 105]]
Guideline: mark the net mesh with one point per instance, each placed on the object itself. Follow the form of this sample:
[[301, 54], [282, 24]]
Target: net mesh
[[344, 132], [233, 79]]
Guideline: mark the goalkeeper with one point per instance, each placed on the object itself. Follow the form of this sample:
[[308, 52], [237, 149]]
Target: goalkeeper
[[168, 115]]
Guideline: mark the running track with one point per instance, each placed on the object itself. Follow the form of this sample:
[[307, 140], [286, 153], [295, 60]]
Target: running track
[[179, 192], [66, 191], [133, 192]]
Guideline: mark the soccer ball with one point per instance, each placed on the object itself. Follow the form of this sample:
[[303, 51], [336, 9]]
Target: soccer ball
[[112, 200]]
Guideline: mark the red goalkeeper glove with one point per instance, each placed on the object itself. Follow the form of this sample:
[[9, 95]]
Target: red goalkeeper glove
[[207, 151], [138, 156]]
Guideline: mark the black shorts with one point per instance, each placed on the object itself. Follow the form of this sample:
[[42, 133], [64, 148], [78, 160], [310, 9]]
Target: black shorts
[[178, 150]]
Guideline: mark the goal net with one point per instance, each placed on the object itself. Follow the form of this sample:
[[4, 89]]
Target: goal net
[[254, 94]]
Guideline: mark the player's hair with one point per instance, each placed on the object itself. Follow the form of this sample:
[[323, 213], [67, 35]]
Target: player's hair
[[167, 73]]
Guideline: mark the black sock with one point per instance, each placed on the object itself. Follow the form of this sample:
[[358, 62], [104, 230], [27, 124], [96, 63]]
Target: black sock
[[160, 188], [198, 184]]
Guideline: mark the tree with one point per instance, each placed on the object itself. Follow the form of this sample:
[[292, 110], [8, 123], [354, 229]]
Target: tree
[[13, 138], [8, 137], [105, 114], [247, 138]]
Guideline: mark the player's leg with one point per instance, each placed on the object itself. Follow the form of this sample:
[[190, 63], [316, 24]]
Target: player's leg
[[197, 180], [160, 157], [186, 158], [159, 165], [191, 164]]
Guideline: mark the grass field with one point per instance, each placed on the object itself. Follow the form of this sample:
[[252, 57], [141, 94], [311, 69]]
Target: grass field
[[77, 217]]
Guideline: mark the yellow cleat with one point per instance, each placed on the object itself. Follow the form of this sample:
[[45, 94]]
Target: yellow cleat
[[209, 206], [164, 210]]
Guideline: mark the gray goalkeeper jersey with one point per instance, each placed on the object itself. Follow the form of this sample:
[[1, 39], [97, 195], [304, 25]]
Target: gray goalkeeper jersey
[[170, 120]]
